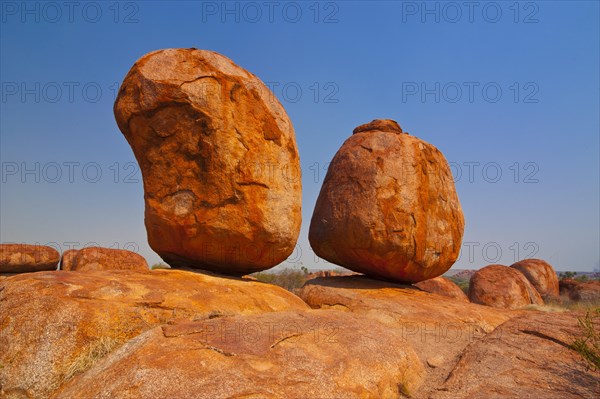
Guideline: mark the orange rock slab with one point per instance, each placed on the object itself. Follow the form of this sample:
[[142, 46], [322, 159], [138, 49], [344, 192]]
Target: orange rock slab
[[55, 325], [311, 354]]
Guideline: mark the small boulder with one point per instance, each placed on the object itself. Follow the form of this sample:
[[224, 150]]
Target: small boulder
[[388, 207], [586, 291], [98, 258], [502, 287], [435, 361], [26, 258], [566, 285], [541, 275], [442, 286]]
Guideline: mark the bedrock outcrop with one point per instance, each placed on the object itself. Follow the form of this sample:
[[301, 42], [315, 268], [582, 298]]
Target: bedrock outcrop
[[55, 325]]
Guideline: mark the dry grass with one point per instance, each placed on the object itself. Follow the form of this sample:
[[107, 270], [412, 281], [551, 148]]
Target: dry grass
[[546, 308], [113, 338], [95, 351], [565, 304]]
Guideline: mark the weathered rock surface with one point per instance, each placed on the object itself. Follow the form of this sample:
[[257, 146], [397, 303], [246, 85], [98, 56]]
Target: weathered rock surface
[[502, 287], [54, 325], [98, 258], [588, 291], [541, 275], [580, 291], [26, 258], [219, 161], [526, 357], [437, 328], [442, 286], [67, 258], [388, 207], [313, 354]]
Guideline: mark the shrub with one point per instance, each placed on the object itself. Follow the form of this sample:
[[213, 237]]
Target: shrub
[[463, 283], [563, 275], [292, 279], [588, 345]]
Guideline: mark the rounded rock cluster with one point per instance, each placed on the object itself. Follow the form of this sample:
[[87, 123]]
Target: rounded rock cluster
[[502, 287], [541, 275]]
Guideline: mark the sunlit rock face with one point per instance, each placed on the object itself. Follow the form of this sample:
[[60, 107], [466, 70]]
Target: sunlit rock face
[[219, 161], [388, 207]]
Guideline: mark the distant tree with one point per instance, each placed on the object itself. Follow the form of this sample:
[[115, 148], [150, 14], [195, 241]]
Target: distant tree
[[463, 283], [290, 278], [564, 275]]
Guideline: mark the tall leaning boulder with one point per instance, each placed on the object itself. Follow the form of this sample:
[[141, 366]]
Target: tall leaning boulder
[[388, 207], [219, 161]]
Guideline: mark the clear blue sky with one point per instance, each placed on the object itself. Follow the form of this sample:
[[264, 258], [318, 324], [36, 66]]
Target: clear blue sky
[[509, 93]]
